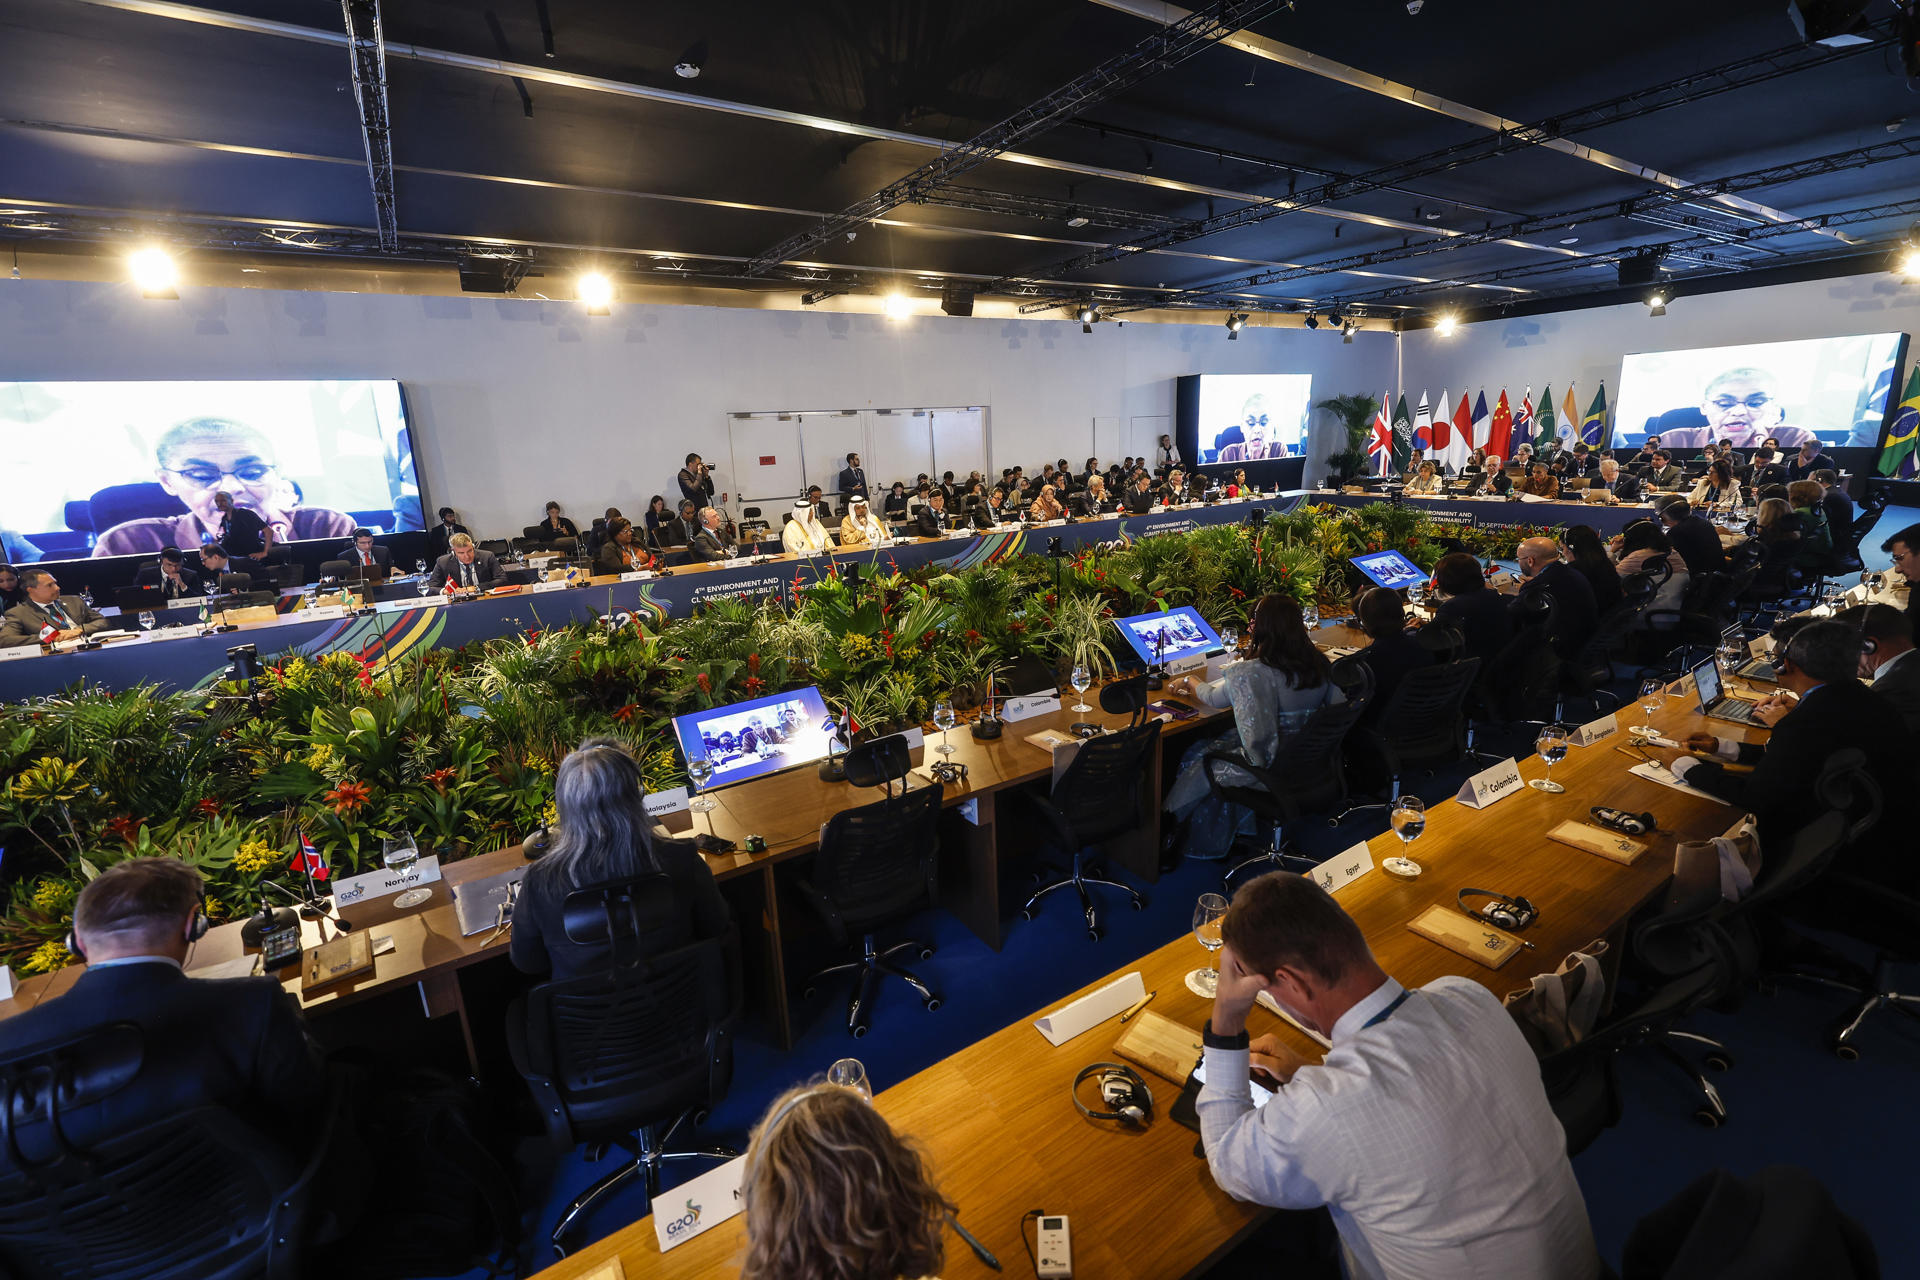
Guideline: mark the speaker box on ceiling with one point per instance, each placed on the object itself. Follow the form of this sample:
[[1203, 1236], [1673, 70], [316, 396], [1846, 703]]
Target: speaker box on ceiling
[[1834, 23], [490, 275], [1640, 270], [956, 300]]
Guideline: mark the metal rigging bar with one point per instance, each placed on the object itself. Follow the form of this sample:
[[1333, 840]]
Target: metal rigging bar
[[1650, 202], [367, 51], [1012, 204], [1164, 48], [1629, 106]]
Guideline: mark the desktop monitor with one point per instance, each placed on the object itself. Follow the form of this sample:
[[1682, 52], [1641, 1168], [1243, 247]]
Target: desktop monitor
[[752, 739], [1389, 569], [1185, 632]]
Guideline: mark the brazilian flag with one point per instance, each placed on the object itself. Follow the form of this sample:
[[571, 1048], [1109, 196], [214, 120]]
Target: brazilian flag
[[1900, 457], [1593, 427]]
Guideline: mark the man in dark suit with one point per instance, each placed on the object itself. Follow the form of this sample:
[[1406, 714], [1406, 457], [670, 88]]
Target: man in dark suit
[[1834, 712], [1697, 541], [1472, 608], [1837, 506], [1140, 498], [1393, 652], [47, 615], [710, 543], [236, 1043], [467, 568], [696, 482], [373, 561], [931, 520], [1583, 462], [1574, 610], [853, 480], [1766, 469], [1904, 547], [170, 574], [1810, 459], [448, 526], [1615, 483], [679, 531], [1887, 657]]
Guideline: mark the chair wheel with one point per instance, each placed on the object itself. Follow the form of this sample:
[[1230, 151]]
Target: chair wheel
[[1333, 822], [932, 1003], [1139, 904], [857, 1030], [1095, 932], [1719, 1062], [1026, 913], [926, 953], [807, 994], [1846, 1053], [1707, 1118]]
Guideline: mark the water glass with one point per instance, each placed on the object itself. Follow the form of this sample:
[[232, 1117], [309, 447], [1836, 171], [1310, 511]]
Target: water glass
[[1552, 746], [1653, 694], [1081, 680], [944, 719], [700, 773], [419, 566], [426, 585], [146, 619], [1408, 817], [398, 853], [1310, 617], [1207, 914], [848, 1073], [1230, 637]]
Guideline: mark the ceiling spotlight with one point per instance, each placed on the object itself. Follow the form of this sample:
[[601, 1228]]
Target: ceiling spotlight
[[1346, 332], [1909, 263], [1445, 324], [1334, 317], [1312, 321], [1657, 304], [897, 307], [1077, 220], [595, 292], [1235, 323], [154, 272], [1086, 314], [692, 62]]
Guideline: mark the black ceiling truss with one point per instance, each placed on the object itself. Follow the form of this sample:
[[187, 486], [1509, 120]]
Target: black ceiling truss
[[1165, 47], [1652, 202], [367, 48], [1685, 90], [981, 200]]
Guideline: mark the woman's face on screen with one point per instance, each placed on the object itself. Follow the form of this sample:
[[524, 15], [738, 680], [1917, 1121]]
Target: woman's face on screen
[[238, 465]]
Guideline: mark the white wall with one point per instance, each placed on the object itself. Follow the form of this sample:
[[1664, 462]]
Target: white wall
[[1586, 346], [518, 401]]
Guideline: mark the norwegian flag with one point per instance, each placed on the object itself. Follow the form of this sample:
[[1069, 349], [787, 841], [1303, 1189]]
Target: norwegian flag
[[311, 860]]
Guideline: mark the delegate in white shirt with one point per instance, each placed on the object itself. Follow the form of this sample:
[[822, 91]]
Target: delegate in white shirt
[[1427, 1135], [804, 537]]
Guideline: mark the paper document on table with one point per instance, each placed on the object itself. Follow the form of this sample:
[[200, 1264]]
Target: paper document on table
[[238, 967], [1267, 1002], [1092, 1009], [1659, 773]]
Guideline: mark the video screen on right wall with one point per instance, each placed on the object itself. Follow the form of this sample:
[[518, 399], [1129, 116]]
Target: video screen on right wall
[[1837, 389]]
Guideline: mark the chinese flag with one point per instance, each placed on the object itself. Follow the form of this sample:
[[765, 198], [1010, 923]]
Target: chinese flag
[[1500, 434]]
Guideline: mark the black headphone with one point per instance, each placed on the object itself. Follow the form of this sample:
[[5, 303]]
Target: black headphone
[[1124, 1096], [1503, 912], [195, 931]]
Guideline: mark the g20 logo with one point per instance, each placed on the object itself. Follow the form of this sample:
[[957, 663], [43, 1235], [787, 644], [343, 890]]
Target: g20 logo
[[685, 1222]]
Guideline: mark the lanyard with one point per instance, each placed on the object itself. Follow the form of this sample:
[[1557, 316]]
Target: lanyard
[[1387, 1012]]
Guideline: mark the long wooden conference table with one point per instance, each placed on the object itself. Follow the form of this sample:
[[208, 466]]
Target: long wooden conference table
[[1002, 1135]]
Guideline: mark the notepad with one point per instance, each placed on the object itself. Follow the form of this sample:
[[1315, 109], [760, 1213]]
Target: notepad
[[477, 903]]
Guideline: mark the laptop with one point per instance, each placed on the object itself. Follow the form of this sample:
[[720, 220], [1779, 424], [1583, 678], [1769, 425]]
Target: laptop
[[1716, 705]]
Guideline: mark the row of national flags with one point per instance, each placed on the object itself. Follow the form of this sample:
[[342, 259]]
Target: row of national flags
[[1450, 433]]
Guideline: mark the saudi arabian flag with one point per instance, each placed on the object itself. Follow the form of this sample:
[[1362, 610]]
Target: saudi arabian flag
[[1402, 435], [1901, 456], [1543, 423]]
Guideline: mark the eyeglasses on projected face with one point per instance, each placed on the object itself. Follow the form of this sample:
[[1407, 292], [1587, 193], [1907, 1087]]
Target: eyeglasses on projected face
[[205, 477], [1758, 400]]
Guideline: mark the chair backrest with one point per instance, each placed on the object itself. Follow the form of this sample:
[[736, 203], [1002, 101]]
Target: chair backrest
[[1522, 676], [1779, 1222], [1852, 803], [336, 568], [645, 1039], [1099, 794], [196, 1193], [1308, 772], [1425, 719], [879, 762], [1354, 678], [231, 583], [877, 862], [79, 516], [1125, 697], [118, 503]]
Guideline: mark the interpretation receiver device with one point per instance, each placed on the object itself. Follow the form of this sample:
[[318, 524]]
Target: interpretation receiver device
[[1053, 1252]]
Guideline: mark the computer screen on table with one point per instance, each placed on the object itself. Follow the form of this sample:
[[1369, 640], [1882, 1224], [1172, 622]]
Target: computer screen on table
[[752, 739], [1389, 569], [1706, 683], [1175, 633]]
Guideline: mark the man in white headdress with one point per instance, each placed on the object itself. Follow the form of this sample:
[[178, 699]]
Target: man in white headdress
[[804, 534]]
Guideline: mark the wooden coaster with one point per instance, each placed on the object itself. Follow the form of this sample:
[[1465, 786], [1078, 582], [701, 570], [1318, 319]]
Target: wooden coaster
[[1461, 933], [1159, 1044], [335, 961], [1608, 844]]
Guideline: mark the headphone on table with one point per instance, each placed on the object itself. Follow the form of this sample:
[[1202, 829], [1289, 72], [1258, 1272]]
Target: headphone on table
[[1124, 1096], [1513, 914], [195, 930]]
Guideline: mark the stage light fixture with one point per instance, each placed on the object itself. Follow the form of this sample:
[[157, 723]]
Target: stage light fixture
[[1312, 321], [1346, 332], [1656, 304], [1910, 262], [692, 62], [154, 272], [1336, 317], [1235, 323], [595, 292], [897, 306], [1445, 324]]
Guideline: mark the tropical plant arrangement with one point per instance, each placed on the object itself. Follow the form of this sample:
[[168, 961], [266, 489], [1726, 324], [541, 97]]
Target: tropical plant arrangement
[[459, 746]]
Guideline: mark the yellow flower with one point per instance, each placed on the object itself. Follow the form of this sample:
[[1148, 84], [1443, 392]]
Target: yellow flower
[[48, 957], [540, 764], [550, 816], [53, 896], [321, 759], [254, 857]]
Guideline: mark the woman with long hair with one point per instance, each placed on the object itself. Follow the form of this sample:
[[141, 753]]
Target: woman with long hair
[[11, 592], [657, 517], [1581, 547], [1284, 681], [601, 837], [831, 1192], [1717, 488]]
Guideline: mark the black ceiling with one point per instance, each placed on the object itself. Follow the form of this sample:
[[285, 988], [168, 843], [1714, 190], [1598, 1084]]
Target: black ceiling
[[238, 124]]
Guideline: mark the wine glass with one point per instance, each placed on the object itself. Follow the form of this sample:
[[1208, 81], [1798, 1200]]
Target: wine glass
[[426, 586], [1732, 653], [1206, 930], [420, 566], [848, 1073], [1230, 637], [944, 719], [1552, 746], [1310, 617], [146, 619], [1081, 679], [1408, 818], [700, 773], [1653, 694], [398, 853], [1417, 594]]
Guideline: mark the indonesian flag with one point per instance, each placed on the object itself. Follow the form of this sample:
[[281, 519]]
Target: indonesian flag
[[1380, 444], [311, 860], [1499, 438], [1442, 429], [1463, 424]]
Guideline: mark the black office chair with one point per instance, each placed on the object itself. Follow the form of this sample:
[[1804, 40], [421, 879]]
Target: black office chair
[[338, 570], [1696, 626], [235, 583], [877, 864], [1519, 688], [198, 1194], [1589, 672], [626, 1056], [1101, 795], [1308, 775], [118, 503], [1422, 726], [1780, 1222]]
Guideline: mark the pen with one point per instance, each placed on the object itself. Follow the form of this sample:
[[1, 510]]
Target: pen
[[979, 1250], [1139, 1004]]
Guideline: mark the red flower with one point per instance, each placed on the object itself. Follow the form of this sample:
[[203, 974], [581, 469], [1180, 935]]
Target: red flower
[[348, 798], [1017, 628], [207, 805], [753, 685], [535, 634], [973, 637], [126, 826], [439, 779], [704, 681], [1052, 600], [1237, 593], [753, 664]]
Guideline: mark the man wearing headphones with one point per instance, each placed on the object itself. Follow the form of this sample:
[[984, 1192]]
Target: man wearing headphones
[[1425, 1131], [1820, 664], [1887, 659], [237, 1043]]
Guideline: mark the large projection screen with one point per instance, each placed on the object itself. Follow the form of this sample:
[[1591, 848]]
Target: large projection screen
[[124, 468]]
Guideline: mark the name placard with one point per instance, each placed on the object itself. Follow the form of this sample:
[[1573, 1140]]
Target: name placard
[[1341, 870], [1192, 662], [417, 602], [638, 575], [1029, 705], [660, 803], [380, 881], [558, 584], [15, 652], [320, 613], [1594, 731], [167, 633], [1489, 785], [916, 738], [699, 1206]]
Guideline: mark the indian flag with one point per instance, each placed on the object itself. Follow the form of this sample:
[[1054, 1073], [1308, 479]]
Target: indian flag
[[1900, 458]]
